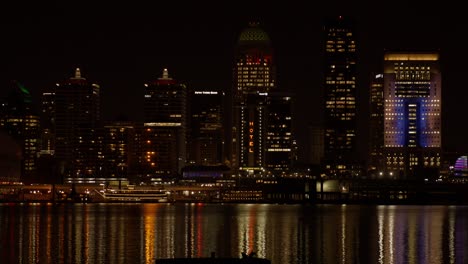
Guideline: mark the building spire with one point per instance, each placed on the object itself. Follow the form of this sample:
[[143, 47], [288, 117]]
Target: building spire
[[77, 73], [165, 75]]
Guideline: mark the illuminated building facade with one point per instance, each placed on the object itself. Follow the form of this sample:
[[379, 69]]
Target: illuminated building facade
[[412, 112], [279, 141], [18, 119], [206, 127], [164, 133], [118, 150], [340, 97], [254, 76], [376, 124], [77, 121], [252, 131], [461, 167]]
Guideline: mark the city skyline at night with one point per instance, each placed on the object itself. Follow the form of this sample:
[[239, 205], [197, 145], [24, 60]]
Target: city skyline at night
[[118, 52], [209, 131]]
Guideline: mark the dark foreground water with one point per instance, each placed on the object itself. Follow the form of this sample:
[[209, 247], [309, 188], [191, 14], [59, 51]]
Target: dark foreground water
[[140, 233]]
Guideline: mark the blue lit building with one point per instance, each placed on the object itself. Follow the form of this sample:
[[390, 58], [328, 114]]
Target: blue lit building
[[412, 112]]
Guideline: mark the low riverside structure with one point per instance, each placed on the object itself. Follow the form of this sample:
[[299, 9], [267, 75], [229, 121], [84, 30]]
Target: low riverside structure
[[275, 190]]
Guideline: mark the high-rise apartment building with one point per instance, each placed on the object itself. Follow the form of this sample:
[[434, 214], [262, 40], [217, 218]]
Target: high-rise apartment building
[[340, 97], [412, 112], [77, 121], [164, 136], [118, 150], [254, 76]]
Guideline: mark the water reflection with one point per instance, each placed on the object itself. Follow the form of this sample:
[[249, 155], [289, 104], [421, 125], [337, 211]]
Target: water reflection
[[140, 233]]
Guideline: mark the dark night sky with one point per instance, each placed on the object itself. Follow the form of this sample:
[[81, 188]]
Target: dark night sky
[[123, 44]]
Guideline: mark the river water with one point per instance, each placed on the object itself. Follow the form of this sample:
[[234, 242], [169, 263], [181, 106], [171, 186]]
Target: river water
[[141, 233]]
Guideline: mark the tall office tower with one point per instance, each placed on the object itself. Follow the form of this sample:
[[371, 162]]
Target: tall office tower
[[77, 120], [47, 142], [46, 153], [118, 150], [340, 98], [412, 112], [20, 121], [254, 76], [376, 124], [206, 127], [279, 152], [164, 134]]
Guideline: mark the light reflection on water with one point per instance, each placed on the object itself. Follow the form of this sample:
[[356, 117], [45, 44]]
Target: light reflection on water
[[141, 233]]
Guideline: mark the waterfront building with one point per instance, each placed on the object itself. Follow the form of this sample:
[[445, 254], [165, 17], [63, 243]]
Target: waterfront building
[[118, 151], [340, 90], [254, 77], [164, 138], [412, 113], [77, 123], [206, 140], [279, 141], [376, 126], [19, 120]]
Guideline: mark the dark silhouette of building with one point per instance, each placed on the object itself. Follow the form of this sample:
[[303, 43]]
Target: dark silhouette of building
[[206, 140], [77, 124], [340, 73], [46, 161], [47, 142], [19, 120], [164, 139], [279, 143], [118, 150], [376, 126], [315, 144]]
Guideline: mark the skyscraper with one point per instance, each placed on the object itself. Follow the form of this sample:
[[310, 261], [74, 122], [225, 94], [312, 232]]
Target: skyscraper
[[47, 142], [77, 120], [206, 127], [412, 112], [340, 97], [376, 124], [279, 152], [19, 120], [164, 136], [46, 163], [254, 76]]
